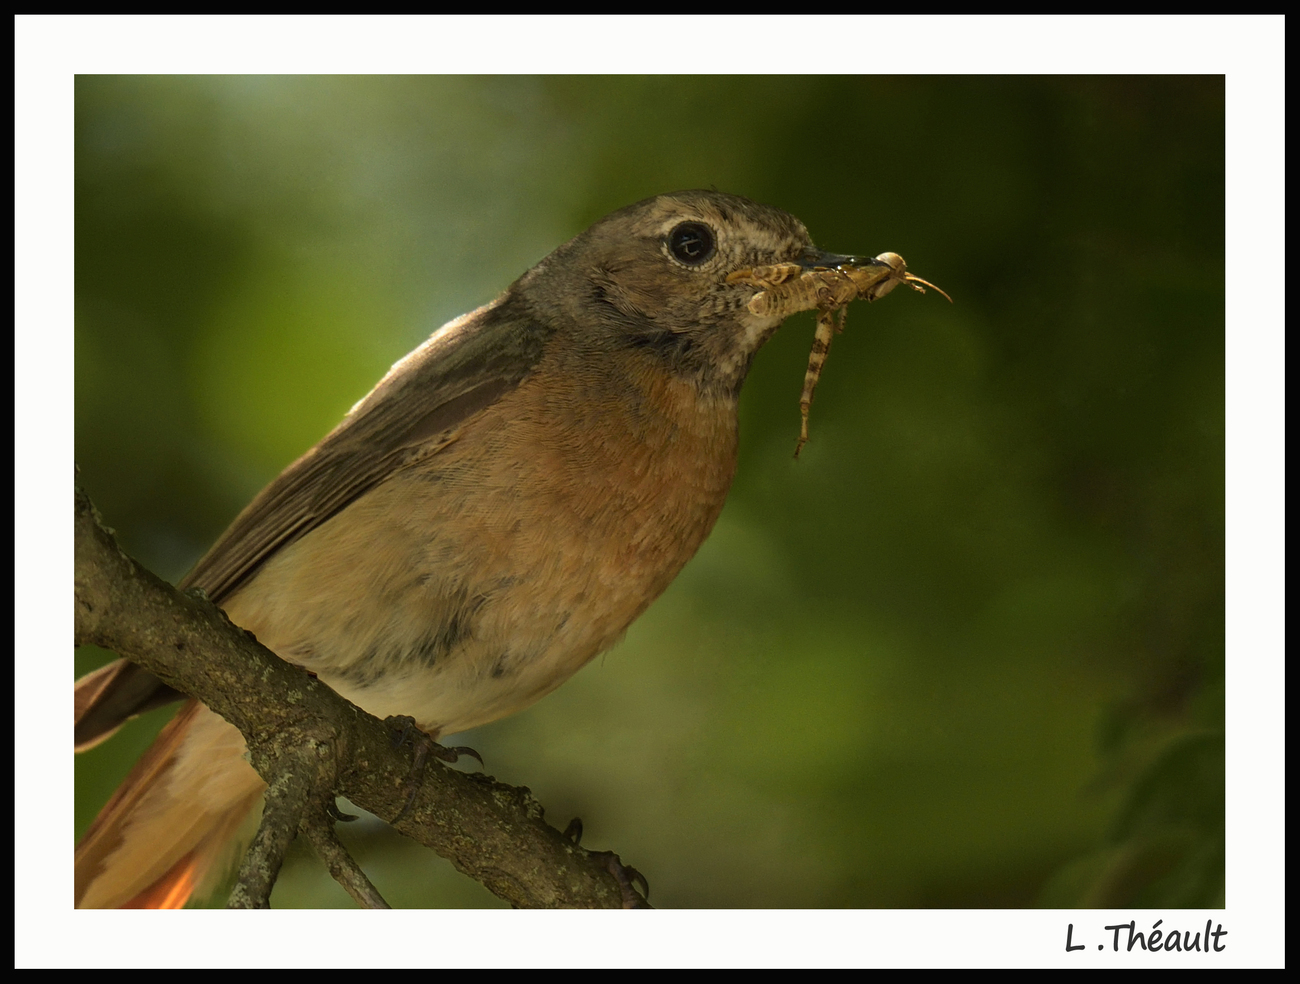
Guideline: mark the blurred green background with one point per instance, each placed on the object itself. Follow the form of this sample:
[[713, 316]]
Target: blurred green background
[[967, 651]]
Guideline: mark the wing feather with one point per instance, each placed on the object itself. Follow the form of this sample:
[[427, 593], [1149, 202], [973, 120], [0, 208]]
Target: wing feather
[[417, 409]]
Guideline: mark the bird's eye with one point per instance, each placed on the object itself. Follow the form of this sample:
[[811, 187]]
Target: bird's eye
[[691, 243]]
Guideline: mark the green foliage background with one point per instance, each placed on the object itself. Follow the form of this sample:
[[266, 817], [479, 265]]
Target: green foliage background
[[967, 651]]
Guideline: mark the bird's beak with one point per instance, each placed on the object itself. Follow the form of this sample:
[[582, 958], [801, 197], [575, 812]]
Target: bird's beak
[[869, 271], [814, 259]]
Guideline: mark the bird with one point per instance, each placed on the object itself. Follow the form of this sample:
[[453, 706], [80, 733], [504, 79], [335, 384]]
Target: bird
[[495, 513]]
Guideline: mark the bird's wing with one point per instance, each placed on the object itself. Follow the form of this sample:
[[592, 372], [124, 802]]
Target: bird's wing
[[416, 410]]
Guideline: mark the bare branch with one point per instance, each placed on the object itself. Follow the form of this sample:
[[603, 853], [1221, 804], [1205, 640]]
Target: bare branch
[[319, 832], [289, 797]]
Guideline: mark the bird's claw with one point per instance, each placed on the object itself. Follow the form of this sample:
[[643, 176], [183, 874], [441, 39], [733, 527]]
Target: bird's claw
[[444, 754], [627, 878], [406, 732]]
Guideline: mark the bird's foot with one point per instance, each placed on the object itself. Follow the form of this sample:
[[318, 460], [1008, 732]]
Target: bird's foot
[[405, 732], [628, 878]]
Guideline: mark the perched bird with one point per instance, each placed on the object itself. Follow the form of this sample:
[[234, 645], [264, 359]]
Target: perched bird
[[496, 512]]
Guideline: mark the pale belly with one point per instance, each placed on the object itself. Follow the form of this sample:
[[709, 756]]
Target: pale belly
[[459, 593]]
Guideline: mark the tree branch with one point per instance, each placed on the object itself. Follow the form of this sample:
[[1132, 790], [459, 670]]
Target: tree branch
[[319, 832], [310, 744]]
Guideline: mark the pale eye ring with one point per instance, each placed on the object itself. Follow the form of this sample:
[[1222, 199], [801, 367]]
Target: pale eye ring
[[691, 243]]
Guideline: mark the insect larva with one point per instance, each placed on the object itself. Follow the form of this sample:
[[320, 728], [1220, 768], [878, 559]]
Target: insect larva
[[829, 290], [866, 284], [826, 290], [821, 347]]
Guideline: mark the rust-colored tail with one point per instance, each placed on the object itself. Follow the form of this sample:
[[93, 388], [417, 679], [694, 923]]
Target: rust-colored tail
[[166, 831]]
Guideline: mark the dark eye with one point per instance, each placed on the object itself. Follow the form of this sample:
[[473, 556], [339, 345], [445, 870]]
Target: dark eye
[[691, 242]]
